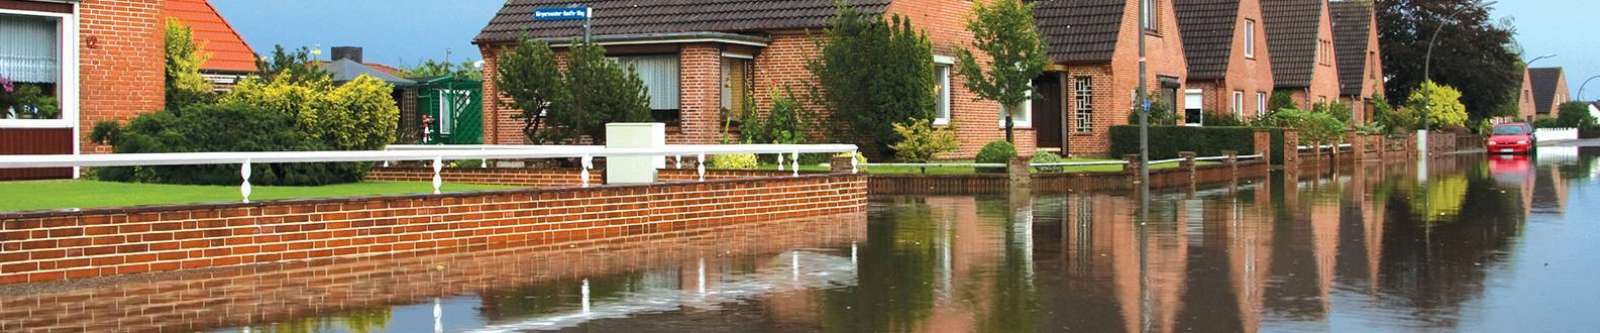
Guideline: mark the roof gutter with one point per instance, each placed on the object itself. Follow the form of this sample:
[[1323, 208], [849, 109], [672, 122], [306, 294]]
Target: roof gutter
[[655, 38]]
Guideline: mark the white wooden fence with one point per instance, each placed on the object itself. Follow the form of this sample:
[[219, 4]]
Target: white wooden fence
[[1555, 134]]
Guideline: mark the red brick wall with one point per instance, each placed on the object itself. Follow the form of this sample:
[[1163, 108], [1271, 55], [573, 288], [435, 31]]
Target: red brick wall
[[41, 247], [699, 95], [1324, 74], [977, 122], [1249, 75], [121, 62], [1115, 82], [256, 295]]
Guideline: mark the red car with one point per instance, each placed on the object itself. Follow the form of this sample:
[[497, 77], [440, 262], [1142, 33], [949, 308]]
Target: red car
[[1512, 138]]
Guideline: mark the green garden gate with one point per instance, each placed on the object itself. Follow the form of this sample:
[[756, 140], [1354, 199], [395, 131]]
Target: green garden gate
[[456, 107]]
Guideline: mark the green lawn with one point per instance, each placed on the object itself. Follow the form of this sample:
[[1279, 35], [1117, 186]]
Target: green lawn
[[63, 194], [962, 170]]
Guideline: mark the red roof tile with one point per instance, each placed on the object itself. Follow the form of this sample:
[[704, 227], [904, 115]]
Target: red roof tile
[[228, 51]]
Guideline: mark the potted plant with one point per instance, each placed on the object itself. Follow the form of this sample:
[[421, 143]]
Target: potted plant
[[26, 101]]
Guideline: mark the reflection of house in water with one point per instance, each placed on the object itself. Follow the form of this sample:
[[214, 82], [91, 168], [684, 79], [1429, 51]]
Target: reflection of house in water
[[1549, 191]]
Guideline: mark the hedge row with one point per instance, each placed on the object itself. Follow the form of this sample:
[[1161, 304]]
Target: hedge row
[[1167, 141]]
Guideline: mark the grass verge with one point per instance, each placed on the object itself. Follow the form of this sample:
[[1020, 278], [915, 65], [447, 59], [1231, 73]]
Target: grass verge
[[84, 194]]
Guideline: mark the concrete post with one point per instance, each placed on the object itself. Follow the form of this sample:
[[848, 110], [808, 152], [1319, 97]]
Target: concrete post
[[1188, 160], [840, 165], [1132, 168], [1262, 144], [1018, 170], [1233, 158]]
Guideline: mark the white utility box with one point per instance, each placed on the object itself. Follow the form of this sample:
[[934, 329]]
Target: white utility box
[[635, 169]]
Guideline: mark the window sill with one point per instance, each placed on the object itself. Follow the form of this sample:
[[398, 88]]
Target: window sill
[[37, 123]]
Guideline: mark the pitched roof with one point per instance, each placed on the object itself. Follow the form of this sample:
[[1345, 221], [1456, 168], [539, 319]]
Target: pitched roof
[[1079, 31], [1545, 82], [1352, 28], [1207, 27], [228, 51], [345, 70], [1292, 39], [631, 17]]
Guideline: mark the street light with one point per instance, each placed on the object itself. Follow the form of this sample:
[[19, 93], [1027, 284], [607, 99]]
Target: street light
[[1529, 64], [1585, 85], [1427, 70]]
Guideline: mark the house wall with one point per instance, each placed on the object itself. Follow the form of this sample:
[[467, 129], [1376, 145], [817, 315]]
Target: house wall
[[1324, 75], [121, 64], [1525, 107], [1371, 80], [1561, 96], [977, 122], [1115, 101], [1249, 75]]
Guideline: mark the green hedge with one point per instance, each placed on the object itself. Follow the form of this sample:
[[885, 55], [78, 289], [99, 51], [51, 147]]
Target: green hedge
[[1167, 141]]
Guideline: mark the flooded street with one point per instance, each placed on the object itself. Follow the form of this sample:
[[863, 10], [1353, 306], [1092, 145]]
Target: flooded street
[[1474, 243]]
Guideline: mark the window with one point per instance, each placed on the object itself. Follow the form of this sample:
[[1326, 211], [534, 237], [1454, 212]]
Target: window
[[941, 72], [1083, 104], [1147, 15], [1250, 38], [1193, 115], [660, 76], [1238, 104], [736, 83], [1324, 52], [1021, 115], [40, 66], [1261, 103], [1372, 65]]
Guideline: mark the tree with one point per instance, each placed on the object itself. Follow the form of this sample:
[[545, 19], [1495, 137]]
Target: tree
[[1472, 52], [432, 69], [297, 65], [184, 85], [1575, 115], [529, 76], [1005, 32], [873, 74], [1441, 105], [603, 92], [1281, 99]]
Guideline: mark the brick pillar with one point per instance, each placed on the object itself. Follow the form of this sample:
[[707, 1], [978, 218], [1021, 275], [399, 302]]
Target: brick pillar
[[840, 164], [699, 94], [1291, 147], [1232, 158], [1262, 144], [1188, 160], [1019, 172]]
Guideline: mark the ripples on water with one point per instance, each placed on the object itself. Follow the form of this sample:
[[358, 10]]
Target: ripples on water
[[1483, 244]]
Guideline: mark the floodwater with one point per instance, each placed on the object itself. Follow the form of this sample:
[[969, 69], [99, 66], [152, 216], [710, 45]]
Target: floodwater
[[1468, 243]]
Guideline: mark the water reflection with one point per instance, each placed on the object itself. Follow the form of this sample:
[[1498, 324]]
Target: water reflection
[[1481, 244]]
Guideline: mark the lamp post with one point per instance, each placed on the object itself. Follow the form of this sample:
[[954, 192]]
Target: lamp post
[[1584, 85], [1427, 71]]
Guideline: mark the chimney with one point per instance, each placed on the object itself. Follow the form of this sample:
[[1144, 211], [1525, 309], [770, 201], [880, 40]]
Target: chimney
[[347, 52]]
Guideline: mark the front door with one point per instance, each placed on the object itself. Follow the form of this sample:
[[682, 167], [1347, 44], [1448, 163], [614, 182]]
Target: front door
[[1047, 120]]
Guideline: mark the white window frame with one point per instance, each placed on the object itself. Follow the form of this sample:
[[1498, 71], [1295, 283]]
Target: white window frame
[[1238, 104], [942, 68], [725, 99], [1249, 38], [1194, 99], [67, 83], [1021, 119], [1147, 15], [1261, 103]]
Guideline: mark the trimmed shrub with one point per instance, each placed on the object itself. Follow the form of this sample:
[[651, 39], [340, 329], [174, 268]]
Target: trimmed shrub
[[1223, 119], [921, 142], [996, 152], [733, 161], [224, 127], [1167, 141], [1047, 157]]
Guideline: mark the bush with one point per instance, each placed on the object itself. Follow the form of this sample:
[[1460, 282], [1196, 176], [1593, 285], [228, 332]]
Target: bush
[[1161, 113], [1546, 122], [1321, 127], [872, 73], [1440, 103], [1281, 99], [1047, 157], [921, 142], [781, 124], [1223, 119], [733, 161], [1167, 141], [224, 127], [1575, 115], [996, 152]]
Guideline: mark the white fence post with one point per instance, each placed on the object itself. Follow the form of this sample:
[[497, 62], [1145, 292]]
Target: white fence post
[[244, 187], [780, 161], [853, 167], [678, 160], [588, 162], [796, 161], [701, 167], [438, 165]]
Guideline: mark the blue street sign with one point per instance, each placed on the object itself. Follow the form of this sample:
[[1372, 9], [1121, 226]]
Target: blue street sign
[[560, 13], [1147, 105]]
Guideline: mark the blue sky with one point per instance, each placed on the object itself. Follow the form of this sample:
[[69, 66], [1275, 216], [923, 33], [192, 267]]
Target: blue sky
[[403, 32]]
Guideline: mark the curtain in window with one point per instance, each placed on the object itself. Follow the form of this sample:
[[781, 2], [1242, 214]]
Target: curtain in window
[[28, 49], [660, 76], [735, 84]]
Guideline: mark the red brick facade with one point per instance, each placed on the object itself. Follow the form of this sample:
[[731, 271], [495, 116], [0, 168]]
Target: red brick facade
[[1325, 72], [121, 64], [1114, 83], [77, 245], [1372, 78], [1249, 76]]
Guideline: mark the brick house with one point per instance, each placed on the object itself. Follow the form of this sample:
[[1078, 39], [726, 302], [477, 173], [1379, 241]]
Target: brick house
[[700, 59], [231, 59], [103, 60], [1300, 37], [1525, 106], [1230, 70], [1549, 90], [1355, 41], [1093, 45]]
